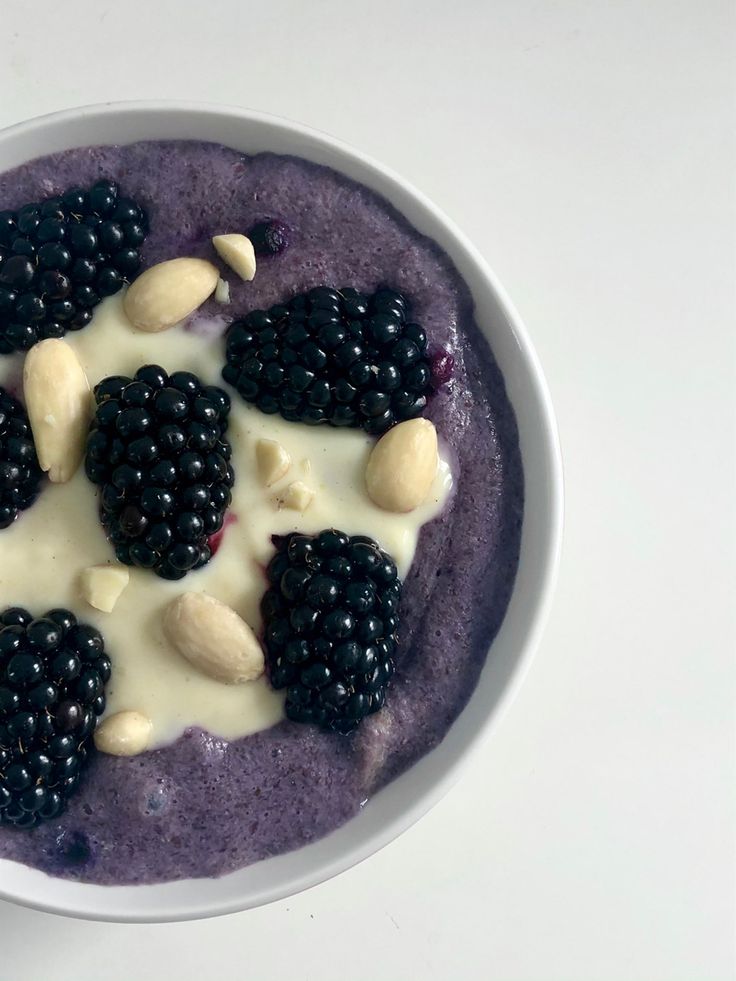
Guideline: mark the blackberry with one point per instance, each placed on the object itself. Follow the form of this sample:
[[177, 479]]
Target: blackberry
[[332, 356], [157, 449], [331, 620], [52, 676], [20, 474], [269, 237], [60, 257]]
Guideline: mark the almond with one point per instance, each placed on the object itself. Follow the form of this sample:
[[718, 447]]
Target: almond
[[272, 461], [102, 585], [125, 733], [298, 496], [59, 407], [167, 293], [222, 291], [237, 251], [402, 466], [213, 638]]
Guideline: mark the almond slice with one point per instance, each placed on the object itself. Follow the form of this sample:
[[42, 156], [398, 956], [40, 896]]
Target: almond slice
[[167, 293], [59, 407], [237, 251], [213, 638], [402, 466], [125, 733]]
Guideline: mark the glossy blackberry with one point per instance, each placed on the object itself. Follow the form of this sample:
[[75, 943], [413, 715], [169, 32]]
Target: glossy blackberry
[[332, 356], [269, 237], [53, 671], [20, 474], [157, 449], [331, 620], [60, 257]]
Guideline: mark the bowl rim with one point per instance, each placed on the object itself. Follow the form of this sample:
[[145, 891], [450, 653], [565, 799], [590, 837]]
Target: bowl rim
[[33, 894]]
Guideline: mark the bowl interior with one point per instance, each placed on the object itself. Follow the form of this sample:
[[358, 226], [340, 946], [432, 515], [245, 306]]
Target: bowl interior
[[397, 806]]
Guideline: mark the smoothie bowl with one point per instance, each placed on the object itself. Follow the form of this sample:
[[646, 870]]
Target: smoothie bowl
[[280, 503]]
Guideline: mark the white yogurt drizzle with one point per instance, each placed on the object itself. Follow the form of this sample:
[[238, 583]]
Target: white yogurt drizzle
[[44, 552]]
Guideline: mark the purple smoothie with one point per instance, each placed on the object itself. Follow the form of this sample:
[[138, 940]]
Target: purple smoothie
[[203, 806]]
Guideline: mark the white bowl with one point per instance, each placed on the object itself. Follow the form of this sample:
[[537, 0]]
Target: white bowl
[[402, 802]]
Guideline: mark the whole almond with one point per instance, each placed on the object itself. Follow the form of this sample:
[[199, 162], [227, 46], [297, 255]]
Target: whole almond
[[167, 293], [59, 407], [213, 638], [402, 466], [125, 733]]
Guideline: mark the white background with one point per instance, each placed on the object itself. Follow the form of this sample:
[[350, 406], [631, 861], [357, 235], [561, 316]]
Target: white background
[[587, 148]]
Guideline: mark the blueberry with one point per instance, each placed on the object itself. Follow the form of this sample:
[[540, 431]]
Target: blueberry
[[269, 237]]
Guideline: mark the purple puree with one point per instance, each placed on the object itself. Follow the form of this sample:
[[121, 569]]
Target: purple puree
[[204, 807]]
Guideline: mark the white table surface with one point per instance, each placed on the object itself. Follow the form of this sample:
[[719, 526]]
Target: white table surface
[[587, 148]]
